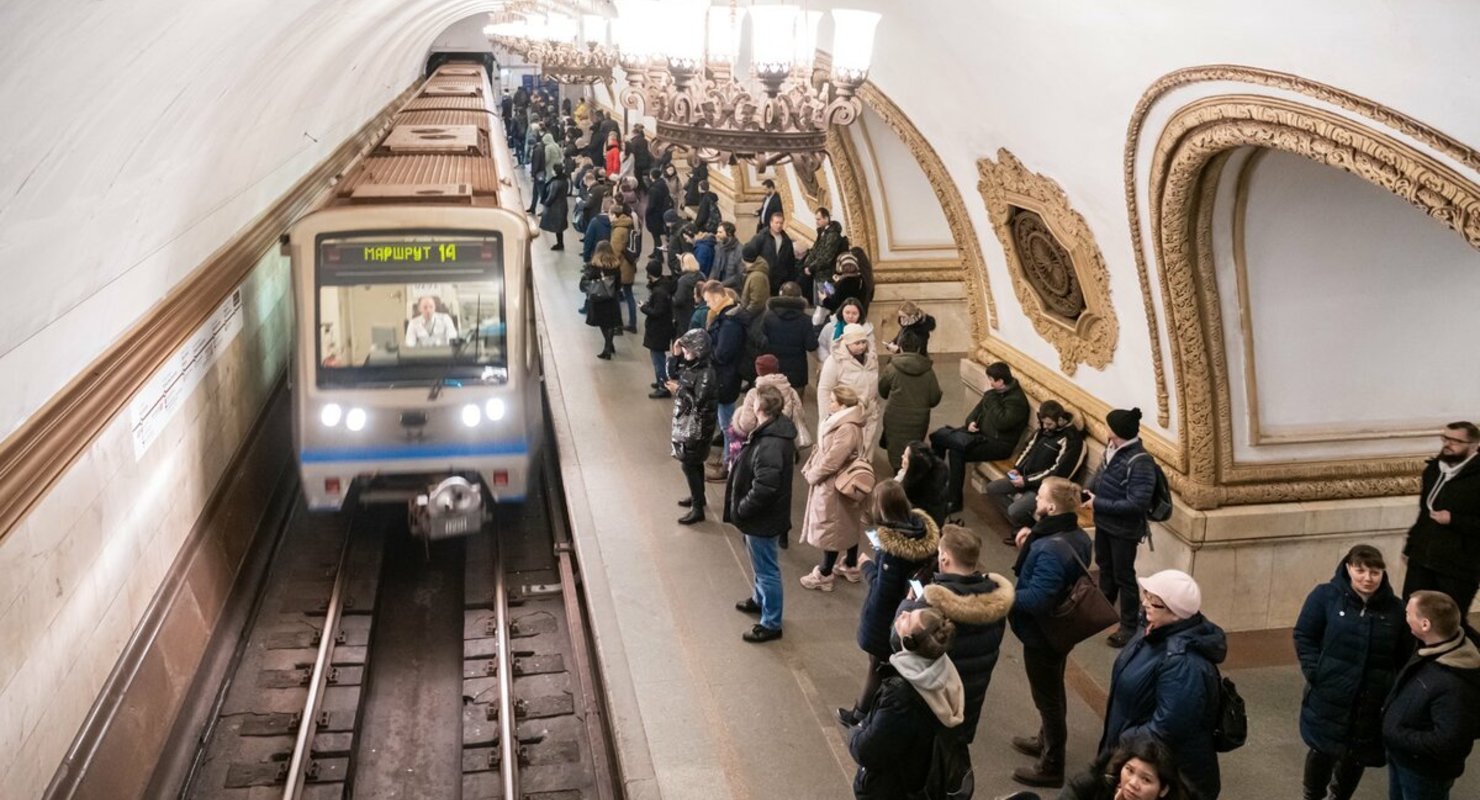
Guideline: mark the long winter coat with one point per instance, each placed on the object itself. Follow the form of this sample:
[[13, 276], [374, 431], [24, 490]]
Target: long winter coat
[[554, 156], [788, 335], [683, 300], [728, 267], [613, 155], [659, 202], [1452, 549], [745, 419], [706, 215], [829, 332], [833, 521], [928, 487], [1165, 684], [726, 328], [604, 314], [1045, 570], [1350, 653], [758, 492], [557, 208], [903, 549], [658, 333], [598, 230], [844, 369], [621, 232], [694, 407], [1430, 724], [979, 605], [1123, 490], [908, 382]]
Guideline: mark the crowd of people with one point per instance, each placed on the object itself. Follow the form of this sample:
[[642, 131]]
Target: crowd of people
[[733, 325]]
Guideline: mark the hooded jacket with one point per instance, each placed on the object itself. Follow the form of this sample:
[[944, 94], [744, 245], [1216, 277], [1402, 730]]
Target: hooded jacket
[[1452, 549], [895, 743], [554, 155], [1430, 722], [832, 520], [621, 232], [843, 368], [788, 334], [1350, 653], [556, 216], [903, 549], [659, 202], [694, 406], [727, 327], [908, 382], [758, 492], [745, 419], [1046, 568], [926, 483], [979, 606], [1165, 684], [757, 287], [704, 254]]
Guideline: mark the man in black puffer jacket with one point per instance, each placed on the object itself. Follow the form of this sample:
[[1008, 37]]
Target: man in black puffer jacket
[[1351, 640], [758, 502], [1121, 494], [1429, 724], [787, 331], [978, 605]]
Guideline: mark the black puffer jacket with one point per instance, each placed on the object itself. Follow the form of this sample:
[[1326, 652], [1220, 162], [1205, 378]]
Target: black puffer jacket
[[658, 332], [1123, 490], [978, 604], [727, 333], [893, 746], [758, 492], [1350, 653], [1452, 549], [926, 482], [694, 405], [788, 336], [683, 300], [904, 548], [1430, 722]]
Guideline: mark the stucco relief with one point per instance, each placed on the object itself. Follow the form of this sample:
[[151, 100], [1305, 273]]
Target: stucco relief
[[1187, 160], [1057, 271]]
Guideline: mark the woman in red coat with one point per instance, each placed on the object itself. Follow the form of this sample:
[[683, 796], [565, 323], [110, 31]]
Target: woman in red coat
[[613, 154]]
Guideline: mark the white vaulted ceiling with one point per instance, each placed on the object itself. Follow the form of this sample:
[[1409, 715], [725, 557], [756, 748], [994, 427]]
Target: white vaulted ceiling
[[139, 135]]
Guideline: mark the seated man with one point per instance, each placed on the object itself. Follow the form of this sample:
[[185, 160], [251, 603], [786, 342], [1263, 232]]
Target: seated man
[[991, 431], [430, 327], [1056, 449]]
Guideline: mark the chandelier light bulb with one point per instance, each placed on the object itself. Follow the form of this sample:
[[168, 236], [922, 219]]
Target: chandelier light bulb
[[773, 39], [562, 28], [681, 32], [806, 38], [593, 29], [725, 27], [853, 42]]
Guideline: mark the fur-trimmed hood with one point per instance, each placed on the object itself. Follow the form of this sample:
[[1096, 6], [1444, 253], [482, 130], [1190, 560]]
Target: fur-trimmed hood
[[978, 605], [909, 544]]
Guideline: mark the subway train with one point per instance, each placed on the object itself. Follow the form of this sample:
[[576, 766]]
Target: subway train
[[416, 371]]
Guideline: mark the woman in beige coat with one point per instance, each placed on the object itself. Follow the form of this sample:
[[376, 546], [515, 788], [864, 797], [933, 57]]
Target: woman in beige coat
[[853, 364], [833, 522]]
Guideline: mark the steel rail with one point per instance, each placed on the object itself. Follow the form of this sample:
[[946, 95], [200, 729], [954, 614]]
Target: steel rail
[[507, 741], [318, 679]]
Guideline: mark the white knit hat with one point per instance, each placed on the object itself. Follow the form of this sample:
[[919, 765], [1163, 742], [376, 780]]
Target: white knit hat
[[1177, 590], [853, 332]]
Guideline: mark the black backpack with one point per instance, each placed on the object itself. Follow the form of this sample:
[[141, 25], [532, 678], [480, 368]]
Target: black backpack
[[1161, 496], [950, 776], [1232, 728]]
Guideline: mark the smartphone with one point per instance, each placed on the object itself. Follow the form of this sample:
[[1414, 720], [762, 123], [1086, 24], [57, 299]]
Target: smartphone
[[873, 537], [917, 588]]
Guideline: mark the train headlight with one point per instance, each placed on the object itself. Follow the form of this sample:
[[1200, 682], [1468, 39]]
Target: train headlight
[[330, 415], [471, 415], [355, 419], [495, 409]]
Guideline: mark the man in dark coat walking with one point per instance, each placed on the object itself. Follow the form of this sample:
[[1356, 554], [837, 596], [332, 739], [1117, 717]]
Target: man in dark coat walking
[[1430, 723], [1443, 545], [758, 502], [1121, 496], [787, 330], [991, 432], [1351, 640], [659, 202]]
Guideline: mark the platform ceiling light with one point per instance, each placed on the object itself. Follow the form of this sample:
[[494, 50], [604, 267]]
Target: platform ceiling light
[[682, 60]]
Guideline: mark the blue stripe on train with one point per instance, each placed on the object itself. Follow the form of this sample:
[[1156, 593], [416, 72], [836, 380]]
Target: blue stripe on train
[[414, 451]]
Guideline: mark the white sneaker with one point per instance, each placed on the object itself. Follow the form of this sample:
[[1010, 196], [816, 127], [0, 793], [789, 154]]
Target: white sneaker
[[847, 573], [816, 580]]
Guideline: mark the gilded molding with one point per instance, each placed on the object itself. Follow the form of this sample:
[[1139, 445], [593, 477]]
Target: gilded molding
[[858, 208], [1270, 79], [1007, 185], [1187, 163]]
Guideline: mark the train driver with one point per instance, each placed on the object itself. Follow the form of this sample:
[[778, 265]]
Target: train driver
[[430, 327]]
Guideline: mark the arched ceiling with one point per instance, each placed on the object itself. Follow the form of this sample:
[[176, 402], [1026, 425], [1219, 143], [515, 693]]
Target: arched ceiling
[[142, 135]]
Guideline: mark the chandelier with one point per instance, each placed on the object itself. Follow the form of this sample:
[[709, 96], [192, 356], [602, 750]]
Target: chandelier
[[682, 60], [566, 50]]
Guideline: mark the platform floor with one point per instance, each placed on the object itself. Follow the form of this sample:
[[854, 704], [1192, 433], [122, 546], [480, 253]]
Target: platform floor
[[702, 715]]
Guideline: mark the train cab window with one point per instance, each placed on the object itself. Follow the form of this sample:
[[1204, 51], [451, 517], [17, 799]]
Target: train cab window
[[411, 309]]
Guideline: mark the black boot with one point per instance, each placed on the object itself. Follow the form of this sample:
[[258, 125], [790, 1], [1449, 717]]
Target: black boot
[[696, 514]]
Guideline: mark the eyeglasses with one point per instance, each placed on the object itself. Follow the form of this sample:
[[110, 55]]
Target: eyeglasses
[[1454, 439], [1149, 603]]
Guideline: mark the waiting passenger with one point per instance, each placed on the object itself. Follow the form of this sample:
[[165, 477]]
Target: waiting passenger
[[692, 384], [758, 502], [767, 372], [1351, 639], [1121, 494], [1054, 450], [821, 258], [686, 291], [991, 431], [833, 521], [1441, 547], [1430, 724], [757, 286], [430, 327], [894, 743], [787, 332], [905, 539], [602, 277], [727, 325], [909, 385], [924, 477], [846, 284], [1165, 684], [729, 266], [1139, 770], [658, 333], [852, 364], [913, 318], [830, 328]]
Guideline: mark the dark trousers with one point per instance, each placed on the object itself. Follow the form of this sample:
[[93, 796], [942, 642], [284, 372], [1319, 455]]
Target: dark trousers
[[1336, 775], [830, 560], [958, 448], [693, 473], [1045, 668], [1405, 784], [1460, 590], [660, 367], [1116, 558]]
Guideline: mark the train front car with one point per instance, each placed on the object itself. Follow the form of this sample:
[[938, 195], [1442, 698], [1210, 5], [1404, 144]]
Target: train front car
[[416, 375]]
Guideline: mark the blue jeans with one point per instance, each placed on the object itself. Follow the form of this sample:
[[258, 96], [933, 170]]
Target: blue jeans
[[660, 366], [625, 292], [726, 413], [767, 592], [1406, 784]]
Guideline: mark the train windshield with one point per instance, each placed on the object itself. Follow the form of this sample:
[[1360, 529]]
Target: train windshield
[[398, 309]]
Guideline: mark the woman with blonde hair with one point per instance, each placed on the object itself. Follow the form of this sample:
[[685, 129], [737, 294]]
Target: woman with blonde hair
[[833, 521]]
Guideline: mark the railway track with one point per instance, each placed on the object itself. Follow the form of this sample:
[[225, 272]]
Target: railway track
[[378, 666]]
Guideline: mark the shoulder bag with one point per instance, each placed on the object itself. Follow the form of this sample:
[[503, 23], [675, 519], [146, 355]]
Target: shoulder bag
[[856, 480], [1082, 613]]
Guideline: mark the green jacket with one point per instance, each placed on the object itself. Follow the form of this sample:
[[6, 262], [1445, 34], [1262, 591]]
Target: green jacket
[[1001, 415], [908, 382]]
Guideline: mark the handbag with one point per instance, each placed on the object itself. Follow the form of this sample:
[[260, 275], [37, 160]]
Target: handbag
[[600, 289], [855, 481], [1082, 613]]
